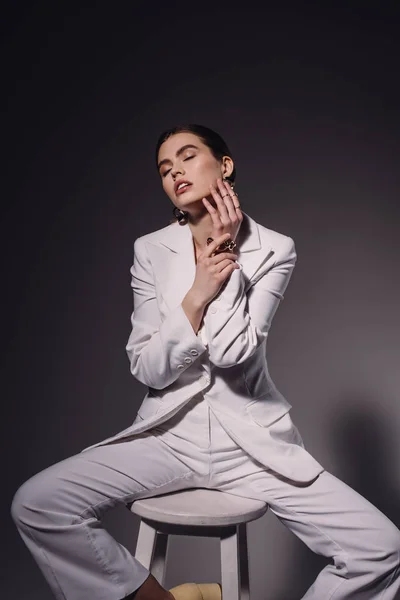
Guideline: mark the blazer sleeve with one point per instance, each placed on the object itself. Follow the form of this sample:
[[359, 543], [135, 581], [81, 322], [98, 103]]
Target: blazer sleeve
[[239, 322], [157, 349]]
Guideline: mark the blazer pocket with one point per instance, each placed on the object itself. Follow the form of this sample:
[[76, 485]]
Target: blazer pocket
[[149, 408], [265, 411]]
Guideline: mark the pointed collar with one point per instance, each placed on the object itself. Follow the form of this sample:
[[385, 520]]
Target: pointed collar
[[178, 237]]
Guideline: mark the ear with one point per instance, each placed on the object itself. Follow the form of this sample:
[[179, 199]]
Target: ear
[[227, 166]]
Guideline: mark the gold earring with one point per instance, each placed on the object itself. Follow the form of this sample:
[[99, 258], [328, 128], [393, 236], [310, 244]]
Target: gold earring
[[230, 183]]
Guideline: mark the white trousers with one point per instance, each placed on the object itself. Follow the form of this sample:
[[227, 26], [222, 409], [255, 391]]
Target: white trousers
[[58, 511]]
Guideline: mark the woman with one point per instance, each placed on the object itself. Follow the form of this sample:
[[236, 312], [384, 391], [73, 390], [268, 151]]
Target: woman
[[205, 291]]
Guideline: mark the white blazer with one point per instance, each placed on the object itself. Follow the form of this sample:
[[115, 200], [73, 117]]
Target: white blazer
[[227, 357]]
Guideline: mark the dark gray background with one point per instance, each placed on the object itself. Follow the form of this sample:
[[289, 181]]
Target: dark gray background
[[308, 100]]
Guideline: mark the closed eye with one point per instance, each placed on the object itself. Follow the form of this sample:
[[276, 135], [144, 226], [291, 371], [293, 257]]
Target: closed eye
[[168, 170]]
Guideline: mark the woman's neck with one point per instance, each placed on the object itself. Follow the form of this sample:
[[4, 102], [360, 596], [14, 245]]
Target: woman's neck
[[201, 228]]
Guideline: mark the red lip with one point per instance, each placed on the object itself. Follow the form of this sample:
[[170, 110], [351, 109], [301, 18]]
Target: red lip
[[177, 183]]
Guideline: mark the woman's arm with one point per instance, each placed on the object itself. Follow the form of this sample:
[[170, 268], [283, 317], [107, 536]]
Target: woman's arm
[[158, 351], [194, 309], [240, 322]]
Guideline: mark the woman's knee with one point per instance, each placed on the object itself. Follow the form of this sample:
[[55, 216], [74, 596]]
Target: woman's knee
[[26, 499], [391, 546], [382, 554], [36, 497]]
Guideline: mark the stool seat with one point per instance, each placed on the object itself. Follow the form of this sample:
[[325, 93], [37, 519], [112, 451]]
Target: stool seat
[[200, 507], [199, 512]]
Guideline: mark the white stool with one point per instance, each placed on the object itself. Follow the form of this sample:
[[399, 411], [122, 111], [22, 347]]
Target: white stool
[[199, 512]]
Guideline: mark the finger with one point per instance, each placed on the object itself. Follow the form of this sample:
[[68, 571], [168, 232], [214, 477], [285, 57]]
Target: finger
[[221, 266], [219, 256], [233, 197], [219, 201], [229, 201], [228, 270], [214, 244], [225, 191], [214, 215]]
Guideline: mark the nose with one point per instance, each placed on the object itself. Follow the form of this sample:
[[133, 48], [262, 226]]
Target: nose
[[176, 170]]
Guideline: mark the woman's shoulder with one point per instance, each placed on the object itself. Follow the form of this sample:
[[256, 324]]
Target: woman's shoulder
[[157, 235], [267, 237]]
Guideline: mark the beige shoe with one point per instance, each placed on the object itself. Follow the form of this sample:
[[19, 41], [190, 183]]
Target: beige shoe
[[197, 591]]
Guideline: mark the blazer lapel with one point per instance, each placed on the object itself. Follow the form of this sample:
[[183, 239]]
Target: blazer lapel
[[173, 259], [252, 252]]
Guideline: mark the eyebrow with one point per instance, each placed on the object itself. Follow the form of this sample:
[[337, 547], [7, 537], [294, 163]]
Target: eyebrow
[[178, 153]]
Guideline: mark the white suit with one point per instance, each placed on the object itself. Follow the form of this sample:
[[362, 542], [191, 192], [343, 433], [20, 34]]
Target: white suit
[[212, 418], [175, 363]]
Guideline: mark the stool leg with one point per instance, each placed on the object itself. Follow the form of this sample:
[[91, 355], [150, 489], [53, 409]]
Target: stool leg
[[151, 550], [158, 565], [234, 564], [243, 562], [230, 576]]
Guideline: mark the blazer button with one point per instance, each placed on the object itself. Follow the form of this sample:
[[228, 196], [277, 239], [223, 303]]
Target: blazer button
[[187, 360], [213, 311], [180, 367], [194, 352]]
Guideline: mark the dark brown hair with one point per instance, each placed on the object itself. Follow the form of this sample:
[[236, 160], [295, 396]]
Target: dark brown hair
[[209, 137]]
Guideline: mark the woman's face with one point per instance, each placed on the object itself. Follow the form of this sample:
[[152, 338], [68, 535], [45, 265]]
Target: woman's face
[[183, 157]]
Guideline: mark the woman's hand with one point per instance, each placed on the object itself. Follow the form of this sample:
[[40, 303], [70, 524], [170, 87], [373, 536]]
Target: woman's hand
[[212, 271], [227, 217]]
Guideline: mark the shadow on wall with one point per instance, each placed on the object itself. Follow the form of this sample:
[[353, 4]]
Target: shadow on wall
[[363, 446], [363, 441]]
